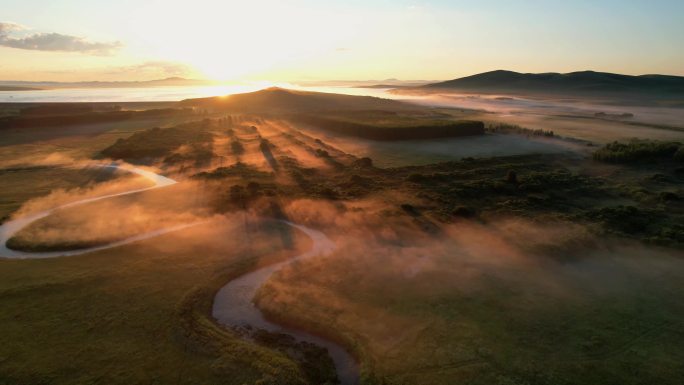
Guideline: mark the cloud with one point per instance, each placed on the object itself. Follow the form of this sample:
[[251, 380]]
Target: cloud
[[53, 41], [9, 26], [159, 67]]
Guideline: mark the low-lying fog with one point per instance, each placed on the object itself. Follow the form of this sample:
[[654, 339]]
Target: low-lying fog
[[422, 152], [571, 118], [510, 284], [598, 121], [507, 104]]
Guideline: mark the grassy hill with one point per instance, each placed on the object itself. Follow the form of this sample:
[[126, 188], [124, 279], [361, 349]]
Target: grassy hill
[[359, 116], [278, 100]]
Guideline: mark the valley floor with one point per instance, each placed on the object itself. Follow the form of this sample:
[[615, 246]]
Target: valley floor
[[455, 260]]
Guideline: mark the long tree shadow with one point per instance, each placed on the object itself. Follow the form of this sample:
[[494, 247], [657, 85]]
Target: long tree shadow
[[265, 147], [328, 159], [420, 220], [286, 232]]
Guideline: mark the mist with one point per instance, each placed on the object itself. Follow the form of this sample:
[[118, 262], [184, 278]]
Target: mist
[[433, 300]]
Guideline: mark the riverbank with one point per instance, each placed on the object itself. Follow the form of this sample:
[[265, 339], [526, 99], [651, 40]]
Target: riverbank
[[234, 307]]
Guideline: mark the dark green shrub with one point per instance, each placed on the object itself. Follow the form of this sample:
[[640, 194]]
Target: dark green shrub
[[410, 210], [638, 150], [322, 153], [364, 162], [237, 147], [626, 219], [463, 212]]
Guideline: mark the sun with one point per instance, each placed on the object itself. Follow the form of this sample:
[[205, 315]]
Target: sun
[[221, 69], [235, 41]]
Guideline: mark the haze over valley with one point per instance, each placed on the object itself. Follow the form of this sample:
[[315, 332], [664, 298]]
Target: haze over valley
[[341, 193]]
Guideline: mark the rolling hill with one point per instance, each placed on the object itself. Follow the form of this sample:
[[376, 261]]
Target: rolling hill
[[584, 82], [280, 100], [358, 116]]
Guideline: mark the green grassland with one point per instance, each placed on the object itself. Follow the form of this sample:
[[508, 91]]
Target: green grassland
[[141, 313], [609, 317], [105, 221], [137, 314], [449, 324], [529, 269], [588, 304], [20, 184], [388, 126], [383, 118]]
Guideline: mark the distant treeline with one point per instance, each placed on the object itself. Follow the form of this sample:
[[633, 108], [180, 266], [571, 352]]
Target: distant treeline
[[41, 119], [377, 132], [505, 128], [640, 150]]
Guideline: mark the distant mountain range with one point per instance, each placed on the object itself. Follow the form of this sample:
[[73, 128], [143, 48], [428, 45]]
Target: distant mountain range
[[584, 82], [15, 85]]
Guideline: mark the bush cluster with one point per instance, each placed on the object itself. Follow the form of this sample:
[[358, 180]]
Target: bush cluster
[[640, 150]]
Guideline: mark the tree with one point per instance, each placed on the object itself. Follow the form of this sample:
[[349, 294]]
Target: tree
[[253, 188], [364, 162], [512, 177], [237, 195]]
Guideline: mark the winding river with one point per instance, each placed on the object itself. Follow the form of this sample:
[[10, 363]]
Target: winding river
[[10, 228], [233, 304]]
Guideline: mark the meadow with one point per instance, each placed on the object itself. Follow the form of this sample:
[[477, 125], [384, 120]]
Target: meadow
[[22, 183], [509, 257], [127, 315], [482, 308]]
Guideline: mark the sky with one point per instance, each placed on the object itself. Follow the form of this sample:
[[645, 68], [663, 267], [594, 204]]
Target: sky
[[314, 40]]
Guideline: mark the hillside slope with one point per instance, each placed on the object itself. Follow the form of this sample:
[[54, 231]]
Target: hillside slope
[[584, 82], [272, 100]]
